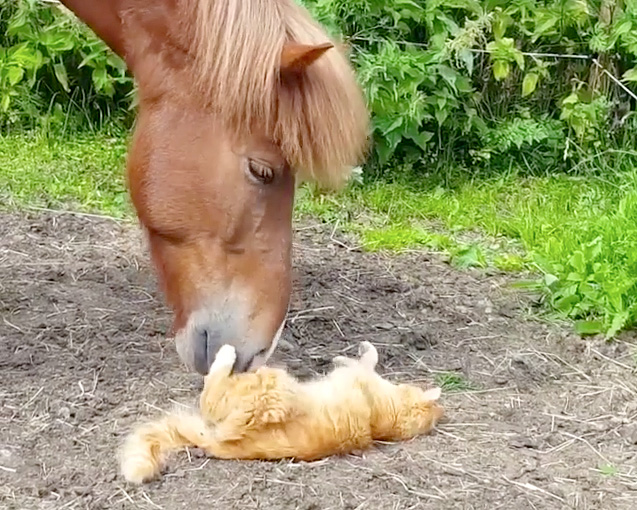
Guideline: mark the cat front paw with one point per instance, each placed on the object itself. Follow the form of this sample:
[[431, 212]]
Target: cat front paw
[[226, 356]]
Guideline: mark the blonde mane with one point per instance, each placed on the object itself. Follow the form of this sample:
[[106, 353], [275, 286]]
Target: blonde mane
[[318, 118]]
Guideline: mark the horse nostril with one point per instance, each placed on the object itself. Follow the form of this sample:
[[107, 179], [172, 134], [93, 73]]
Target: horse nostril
[[206, 342], [201, 351]]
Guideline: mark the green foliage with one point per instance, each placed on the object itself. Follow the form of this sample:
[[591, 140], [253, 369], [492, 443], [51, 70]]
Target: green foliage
[[444, 79], [608, 470], [579, 233], [469, 86], [540, 140], [588, 118], [54, 70], [595, 282], [83, 172]]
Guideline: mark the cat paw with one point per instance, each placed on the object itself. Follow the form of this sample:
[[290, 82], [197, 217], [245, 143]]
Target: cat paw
[[137, 463], [226, 356], [364, 348], [368, 354]]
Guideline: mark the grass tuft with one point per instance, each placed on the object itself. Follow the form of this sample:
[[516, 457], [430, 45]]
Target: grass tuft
[[452, 381], [84, 173]]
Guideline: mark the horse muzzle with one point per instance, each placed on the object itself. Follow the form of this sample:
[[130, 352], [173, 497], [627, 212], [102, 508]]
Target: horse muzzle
[[199, 341]]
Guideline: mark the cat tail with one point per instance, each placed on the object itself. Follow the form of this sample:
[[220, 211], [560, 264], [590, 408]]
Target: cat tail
[[142, 455]]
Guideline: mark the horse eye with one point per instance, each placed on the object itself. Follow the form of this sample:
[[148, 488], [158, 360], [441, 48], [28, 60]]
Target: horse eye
[[263, 173]]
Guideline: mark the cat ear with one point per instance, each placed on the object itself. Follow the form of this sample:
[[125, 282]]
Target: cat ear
[[432, 394]]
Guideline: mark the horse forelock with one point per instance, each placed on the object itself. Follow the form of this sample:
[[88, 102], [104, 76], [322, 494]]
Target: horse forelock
[[318, 117]]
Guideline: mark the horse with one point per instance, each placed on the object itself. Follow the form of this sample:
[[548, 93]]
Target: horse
[[239, 101]]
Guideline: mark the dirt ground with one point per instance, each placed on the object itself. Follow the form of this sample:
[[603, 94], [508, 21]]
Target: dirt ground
[[538, 419]]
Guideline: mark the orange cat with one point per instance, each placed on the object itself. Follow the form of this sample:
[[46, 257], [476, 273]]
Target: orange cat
[[268, 414]]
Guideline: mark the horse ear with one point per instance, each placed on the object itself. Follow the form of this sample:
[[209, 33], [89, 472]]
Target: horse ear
[[297, 57]]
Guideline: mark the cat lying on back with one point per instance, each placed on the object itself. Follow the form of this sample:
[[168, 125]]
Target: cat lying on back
[[268, 414]]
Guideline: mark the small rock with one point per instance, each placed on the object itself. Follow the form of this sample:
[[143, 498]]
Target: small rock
[[285, 344], [630, 433], [596, 427], [500, 379], [110, 476], [514, 471], [519, 360], [523, 442], [82, 491]]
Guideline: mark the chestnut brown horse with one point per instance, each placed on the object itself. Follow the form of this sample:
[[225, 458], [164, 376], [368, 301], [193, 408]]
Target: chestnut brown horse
[[238, 101]]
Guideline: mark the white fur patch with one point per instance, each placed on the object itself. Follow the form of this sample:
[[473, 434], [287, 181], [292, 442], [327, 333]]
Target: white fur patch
[[226, 356], [433, 394]]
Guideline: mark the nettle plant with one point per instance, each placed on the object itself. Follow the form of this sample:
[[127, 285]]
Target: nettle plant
[[50, 63], [441, 75]]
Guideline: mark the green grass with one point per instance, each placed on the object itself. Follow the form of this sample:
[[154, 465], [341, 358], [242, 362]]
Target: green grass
[[451, 381], [85, 172], [579, 234]]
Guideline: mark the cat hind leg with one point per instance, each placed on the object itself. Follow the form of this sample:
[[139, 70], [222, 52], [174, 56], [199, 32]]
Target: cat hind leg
[[368, 355]]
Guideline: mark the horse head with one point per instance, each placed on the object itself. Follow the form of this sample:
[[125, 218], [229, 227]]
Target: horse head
[[238, 102]]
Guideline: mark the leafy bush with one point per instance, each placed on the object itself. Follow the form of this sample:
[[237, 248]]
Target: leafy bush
[[447, 81], [439, 76], [54, 70]]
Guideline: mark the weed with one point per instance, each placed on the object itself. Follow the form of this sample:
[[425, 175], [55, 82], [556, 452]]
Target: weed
[[578, 233], [54, 71], [452, 381], [608, 470]]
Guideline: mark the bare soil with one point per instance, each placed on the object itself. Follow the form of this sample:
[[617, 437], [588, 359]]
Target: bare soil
[[538, 417]]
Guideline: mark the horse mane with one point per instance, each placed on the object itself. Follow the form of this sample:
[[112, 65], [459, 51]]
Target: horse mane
[[318, 117]]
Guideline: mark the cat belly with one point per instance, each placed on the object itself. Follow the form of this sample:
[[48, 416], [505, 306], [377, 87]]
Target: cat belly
[[320, 431]]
